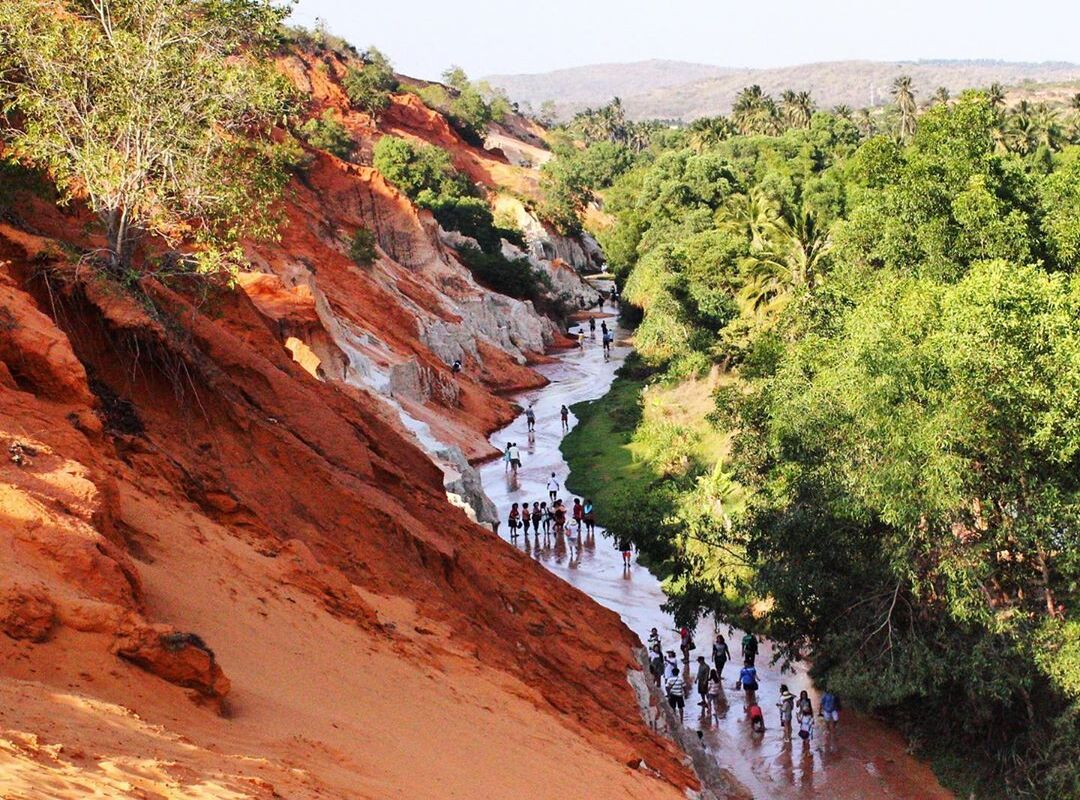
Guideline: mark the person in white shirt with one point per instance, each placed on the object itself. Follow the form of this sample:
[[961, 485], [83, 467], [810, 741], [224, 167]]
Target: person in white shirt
[[676, 692], [553, 488], [515, 457]]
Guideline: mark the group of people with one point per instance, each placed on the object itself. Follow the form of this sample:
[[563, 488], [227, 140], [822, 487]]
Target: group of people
[[707, 679], [554, 516], [607, 337]]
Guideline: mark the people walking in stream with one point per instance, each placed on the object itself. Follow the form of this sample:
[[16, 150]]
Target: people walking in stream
[[676, 692], [560, 517], [590, 517], [626, 547], [748, 680], [606, 339], [537, 514], [805, 709], [513, 520], [603, 327], [749, 647], [787, 708], [686, 642], [656, 664], [701, 680], [530, 417], [515, 458], [564, 414], [578, 513], [506, 456], [756, 717], [553, 488], [592, 327], [830, 710], [714, 694], [526, 518], [546, 519], [720, 653]]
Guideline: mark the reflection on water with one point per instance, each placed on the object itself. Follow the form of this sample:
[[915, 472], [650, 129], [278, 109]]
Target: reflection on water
[[860, 760]]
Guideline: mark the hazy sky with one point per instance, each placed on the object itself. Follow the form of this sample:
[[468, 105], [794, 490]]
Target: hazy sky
[[423, 36]]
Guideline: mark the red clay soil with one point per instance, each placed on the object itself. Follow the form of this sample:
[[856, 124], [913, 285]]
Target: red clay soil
[[194, 524]]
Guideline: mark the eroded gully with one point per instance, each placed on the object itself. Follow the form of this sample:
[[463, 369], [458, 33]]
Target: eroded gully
[[863, 759]]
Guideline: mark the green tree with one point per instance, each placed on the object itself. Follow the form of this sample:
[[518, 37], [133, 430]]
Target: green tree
[[904, 99], [326, 132], [369, 88], [755, 112], [156, 113]]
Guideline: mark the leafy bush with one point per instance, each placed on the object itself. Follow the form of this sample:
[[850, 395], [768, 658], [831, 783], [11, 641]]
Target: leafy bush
[[369, 88], [362, 247], [327, 133], [90, 89], [514, 278], [425, 174], [415, 168]]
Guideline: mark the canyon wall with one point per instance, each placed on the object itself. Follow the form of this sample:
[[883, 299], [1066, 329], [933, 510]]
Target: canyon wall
[[228, 564]]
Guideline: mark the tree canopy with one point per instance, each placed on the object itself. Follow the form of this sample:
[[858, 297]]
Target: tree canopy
[[156, 114]]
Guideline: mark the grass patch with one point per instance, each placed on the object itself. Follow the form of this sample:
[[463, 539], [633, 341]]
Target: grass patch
[[599, 450]]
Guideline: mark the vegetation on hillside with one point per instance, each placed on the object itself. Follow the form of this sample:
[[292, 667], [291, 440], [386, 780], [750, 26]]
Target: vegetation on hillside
[[156, 114], [893, 311]]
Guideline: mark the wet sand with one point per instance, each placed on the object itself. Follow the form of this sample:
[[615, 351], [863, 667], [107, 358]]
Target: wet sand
[[864, 759]]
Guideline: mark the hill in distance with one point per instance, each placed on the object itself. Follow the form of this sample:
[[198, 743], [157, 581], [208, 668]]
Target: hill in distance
[[685, 91]]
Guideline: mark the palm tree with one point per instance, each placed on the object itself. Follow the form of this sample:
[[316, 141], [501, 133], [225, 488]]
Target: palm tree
[[1047, 127], [796, 108], [941, 97], [792, 257], [806, 105], [706, 132], [904, 97], [864, 121], [843, 112], [756, 112], [996, 95], [752, 215]]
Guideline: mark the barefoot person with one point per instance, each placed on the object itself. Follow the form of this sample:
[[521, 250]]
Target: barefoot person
[[530, 418], [787, 709], [537, 515], [626, 547], [578, 513], [676, 692], [720, 653], [515, 458], [513, 520], [716, 689], [830, 710], [564, 414], [702, 682]]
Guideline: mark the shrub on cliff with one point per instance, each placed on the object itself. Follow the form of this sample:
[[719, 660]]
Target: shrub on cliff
[[326, 133], [512, 277], [369, 88], [157, 115], [362, 247], [425, 174]]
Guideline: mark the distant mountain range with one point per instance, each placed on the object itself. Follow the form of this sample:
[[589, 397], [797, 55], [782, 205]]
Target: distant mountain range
[[682, 90]]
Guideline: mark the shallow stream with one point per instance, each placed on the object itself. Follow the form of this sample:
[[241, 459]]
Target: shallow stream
[[863, 759]]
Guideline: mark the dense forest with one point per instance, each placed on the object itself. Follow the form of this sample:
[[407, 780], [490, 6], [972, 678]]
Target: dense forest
[[853, 420]]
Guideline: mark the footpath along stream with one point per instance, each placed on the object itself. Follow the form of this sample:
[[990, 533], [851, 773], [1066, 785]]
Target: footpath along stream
[[863, 759]]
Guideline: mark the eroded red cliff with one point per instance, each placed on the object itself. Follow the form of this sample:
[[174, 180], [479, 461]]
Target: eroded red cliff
[[228, 566]]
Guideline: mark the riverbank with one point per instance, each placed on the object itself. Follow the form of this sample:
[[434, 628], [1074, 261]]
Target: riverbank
[[865, 759]]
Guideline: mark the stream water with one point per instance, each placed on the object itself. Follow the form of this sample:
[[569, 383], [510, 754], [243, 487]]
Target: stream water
[[862, 759]]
